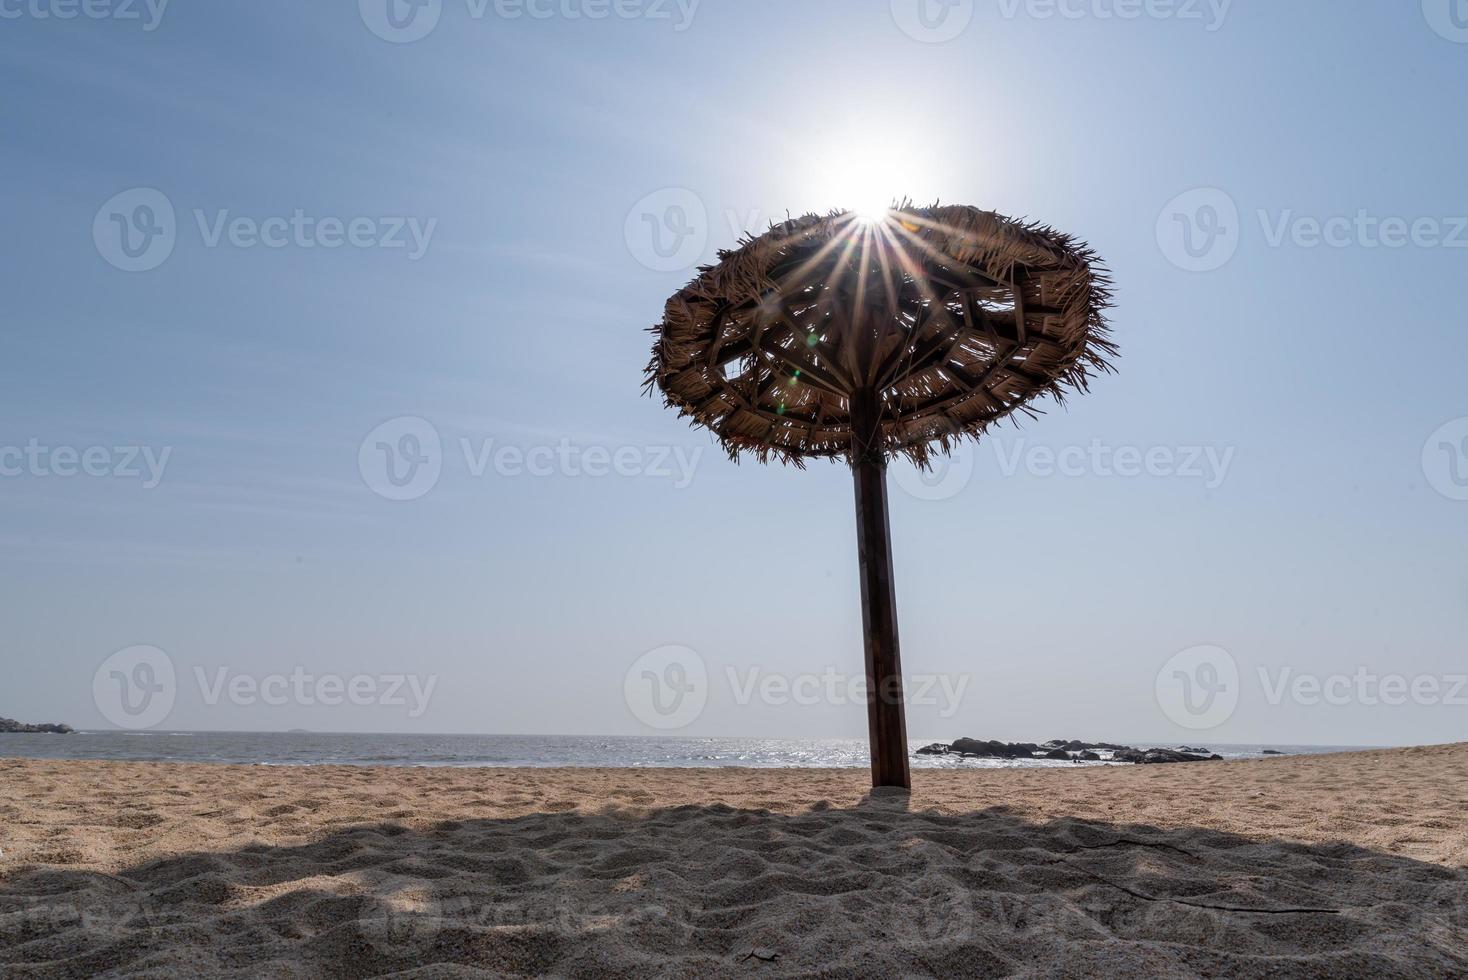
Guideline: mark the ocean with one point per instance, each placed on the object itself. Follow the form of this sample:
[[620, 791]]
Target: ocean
[[535, 751]]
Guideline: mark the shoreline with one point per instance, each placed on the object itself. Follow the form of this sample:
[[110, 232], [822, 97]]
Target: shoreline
[[842, 772], [652, 751]]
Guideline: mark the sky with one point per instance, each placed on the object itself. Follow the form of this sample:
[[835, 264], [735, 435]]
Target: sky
[[324, 328]]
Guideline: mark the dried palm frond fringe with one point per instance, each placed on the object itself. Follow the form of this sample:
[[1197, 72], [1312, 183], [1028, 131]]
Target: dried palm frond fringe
[[956, 317]]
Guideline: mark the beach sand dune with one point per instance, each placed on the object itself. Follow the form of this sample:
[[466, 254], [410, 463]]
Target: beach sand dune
[[1345, 865]]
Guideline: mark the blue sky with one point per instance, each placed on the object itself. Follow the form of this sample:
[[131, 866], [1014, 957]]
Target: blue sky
[[522, 150]]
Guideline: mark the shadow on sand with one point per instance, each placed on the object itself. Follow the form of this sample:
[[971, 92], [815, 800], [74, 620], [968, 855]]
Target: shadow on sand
[[702, 891]]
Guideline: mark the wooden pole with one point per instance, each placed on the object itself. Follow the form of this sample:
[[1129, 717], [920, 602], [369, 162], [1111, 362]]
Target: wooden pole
[[886, 715]]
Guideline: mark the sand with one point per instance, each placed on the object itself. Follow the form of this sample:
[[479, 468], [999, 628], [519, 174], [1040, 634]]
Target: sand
[[1345, 865]]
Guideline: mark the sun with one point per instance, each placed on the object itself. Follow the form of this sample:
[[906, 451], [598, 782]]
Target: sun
[[868, 164], [871, 212], [867, 178]]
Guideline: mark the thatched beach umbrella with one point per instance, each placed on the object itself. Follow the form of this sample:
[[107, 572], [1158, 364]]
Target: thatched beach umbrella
[[865, 338]]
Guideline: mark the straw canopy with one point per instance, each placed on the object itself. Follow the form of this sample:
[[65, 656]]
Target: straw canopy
[[869, 337], [947, 319]]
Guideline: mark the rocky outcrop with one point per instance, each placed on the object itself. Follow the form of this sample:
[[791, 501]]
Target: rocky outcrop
[[12, 727], [1155, 756], [1071, 745], [994, 750], [1065, 750]]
